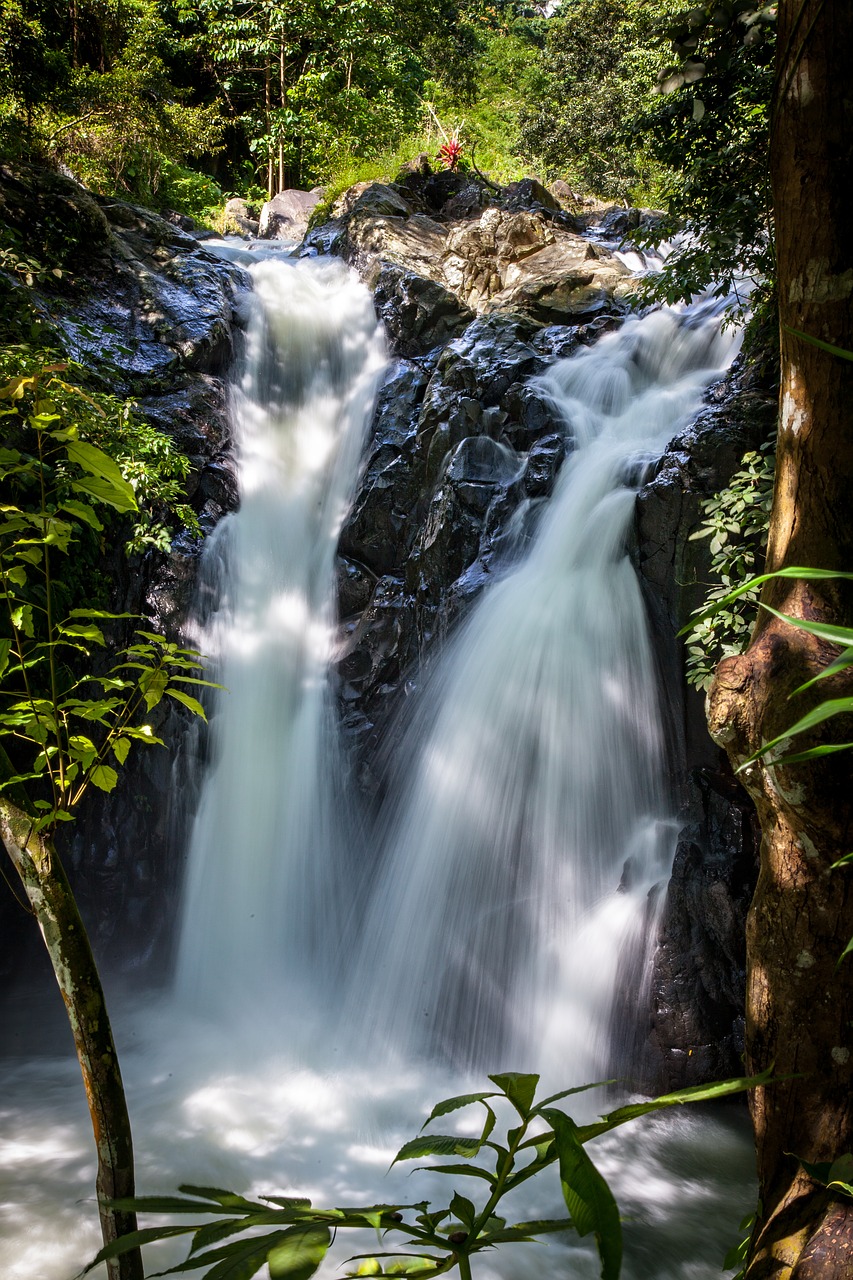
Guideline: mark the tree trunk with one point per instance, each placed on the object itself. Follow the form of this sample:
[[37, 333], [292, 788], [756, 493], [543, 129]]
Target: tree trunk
[[282, 97], [268, 118], [799, 1005], [49, 893]]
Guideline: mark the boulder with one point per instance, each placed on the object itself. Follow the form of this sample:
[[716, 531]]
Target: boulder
[[528, 193], [286, 216], [486, 258], [238, 220]]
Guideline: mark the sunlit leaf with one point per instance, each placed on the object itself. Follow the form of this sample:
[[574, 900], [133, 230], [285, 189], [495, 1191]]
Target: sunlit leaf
[[299, 1256], [520, 1089], [454, 1104], [588, 1198], [82, 512], [438, 1145], [192, 703], [103, 777]]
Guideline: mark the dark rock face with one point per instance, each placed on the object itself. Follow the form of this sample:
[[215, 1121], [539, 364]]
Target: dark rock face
[[700, 968], [698, 985], [152, 315], [463, 450]]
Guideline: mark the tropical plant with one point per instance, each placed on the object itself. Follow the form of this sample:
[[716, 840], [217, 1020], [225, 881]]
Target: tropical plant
[[68, 719], [735, 520], [296, 1235]]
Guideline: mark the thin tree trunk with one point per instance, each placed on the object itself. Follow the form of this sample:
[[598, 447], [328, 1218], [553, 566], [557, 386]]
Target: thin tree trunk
[[799, 1003], [282, 95], [268, 118], [49, 893]]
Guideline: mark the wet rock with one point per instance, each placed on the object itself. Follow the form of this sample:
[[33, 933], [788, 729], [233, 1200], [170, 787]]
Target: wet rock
[[286, 216], [699, 982], [696, 1022], [511, 251], [419, 314], [238, 219], [56, 219], [154, 307], [528, 193]]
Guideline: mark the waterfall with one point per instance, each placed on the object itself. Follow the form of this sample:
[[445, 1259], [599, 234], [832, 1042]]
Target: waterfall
[[270, 846], [506, 892], [521, 854]]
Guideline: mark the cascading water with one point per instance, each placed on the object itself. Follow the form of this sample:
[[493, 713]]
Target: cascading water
[[496, 929], [270, 846]]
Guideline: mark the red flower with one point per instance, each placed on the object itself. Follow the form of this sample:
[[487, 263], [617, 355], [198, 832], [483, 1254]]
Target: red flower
[[449, 153]]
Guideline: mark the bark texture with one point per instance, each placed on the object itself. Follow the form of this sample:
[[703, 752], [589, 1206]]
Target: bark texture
[[53, 904], [799, 1005]]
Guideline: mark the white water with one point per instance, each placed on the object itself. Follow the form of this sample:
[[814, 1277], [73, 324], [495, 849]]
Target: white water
[[496, 928], [533, 780], [271, 848]]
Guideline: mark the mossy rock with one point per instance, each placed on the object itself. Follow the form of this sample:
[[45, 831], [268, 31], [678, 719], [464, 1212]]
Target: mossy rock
[[58, 221]]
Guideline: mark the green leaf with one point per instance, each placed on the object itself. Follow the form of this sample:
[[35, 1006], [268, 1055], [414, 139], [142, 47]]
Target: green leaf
[[212, 1232], [121, 747], [193, 703], [816, 342], [824, 711], [588, 1198], [153, 685], [823, 630], [464, 1210], [529, 1230], [695, 1093], [104, 491], [82, 512], [520, 1089], [103, 777], [5, 650], [114, 488], [133, 1240], [299, 1256], [438, 1145], [567, 1093], [794, 571], [22, 620], [239, 1260], [83, 631], [454, 1104], [165, 1204], [229, 1200], [466, 1170]]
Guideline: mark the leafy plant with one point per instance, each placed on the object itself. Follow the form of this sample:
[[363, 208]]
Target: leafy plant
[[73, 739], [148, 461], [68, 721], [296, 1235], [736, 521]]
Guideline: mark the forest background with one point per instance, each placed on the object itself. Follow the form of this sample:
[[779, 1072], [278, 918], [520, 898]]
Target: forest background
[[178, 104]]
